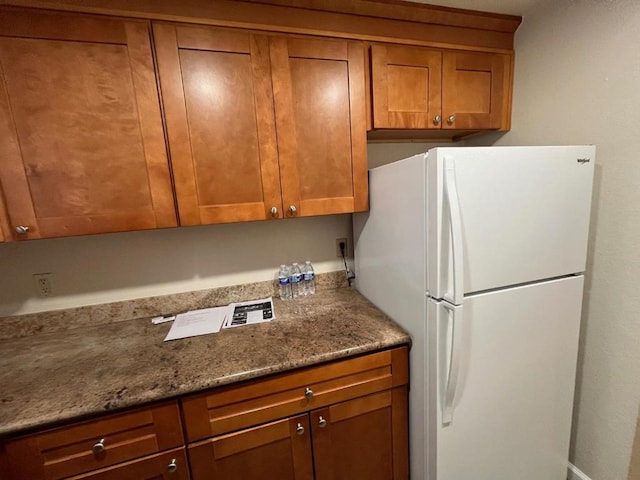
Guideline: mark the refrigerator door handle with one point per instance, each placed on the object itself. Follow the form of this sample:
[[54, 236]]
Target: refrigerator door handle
[[455, 315], [455, 219]]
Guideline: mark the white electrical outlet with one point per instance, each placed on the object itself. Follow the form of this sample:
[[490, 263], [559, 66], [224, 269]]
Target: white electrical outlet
[[43, 283]]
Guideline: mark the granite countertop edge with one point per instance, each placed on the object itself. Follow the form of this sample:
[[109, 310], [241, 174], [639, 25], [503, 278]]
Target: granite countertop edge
[[57, 379]]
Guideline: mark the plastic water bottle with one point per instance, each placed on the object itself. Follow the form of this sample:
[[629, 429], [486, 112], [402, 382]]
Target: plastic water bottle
[[309, 278], [284, 283], [295, 277]]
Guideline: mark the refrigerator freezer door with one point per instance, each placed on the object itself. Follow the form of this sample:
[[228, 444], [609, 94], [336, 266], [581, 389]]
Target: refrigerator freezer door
[[514, 393], [524, 215]]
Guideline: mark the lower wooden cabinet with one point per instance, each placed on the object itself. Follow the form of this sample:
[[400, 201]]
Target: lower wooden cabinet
[[342, 420], [362, 438]]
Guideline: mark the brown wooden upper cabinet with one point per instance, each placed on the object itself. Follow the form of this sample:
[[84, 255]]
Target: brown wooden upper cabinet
[[424, 88], [262, 127], [81, 141]]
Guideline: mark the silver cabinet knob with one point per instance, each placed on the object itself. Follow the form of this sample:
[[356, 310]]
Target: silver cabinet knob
[[437, 119], [293, 209], [173, 466], [322, 422], [98, 447], [308, 393], [22, 229], [451, 119], [274, 211], [299, 429]]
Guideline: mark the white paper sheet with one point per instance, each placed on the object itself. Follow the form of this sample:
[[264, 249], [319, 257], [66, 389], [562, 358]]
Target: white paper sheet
[[246, 313], [198, 322]]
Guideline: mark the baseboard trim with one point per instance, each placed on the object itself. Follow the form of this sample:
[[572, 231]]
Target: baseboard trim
[[576, 474]]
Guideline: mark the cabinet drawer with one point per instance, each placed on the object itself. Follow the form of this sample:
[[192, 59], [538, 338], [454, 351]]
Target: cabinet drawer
[[239, 406], [74, 449], [171, 465]]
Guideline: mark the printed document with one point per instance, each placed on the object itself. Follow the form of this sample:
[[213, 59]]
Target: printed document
[[246, 313], [198, 322]]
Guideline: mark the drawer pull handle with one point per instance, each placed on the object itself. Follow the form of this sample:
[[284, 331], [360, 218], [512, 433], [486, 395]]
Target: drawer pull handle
[[308, 393], [322, 422], [300, 429], [98, 447], [173, 466], [22, 229]]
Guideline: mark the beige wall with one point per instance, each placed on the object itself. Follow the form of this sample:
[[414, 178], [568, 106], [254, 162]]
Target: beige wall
[[106, 268], [577, 80], [383, 153]]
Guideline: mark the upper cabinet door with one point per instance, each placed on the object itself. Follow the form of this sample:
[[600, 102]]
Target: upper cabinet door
[[216, 89], [81, 140], [320, 115], [406, 87], [473, 93]]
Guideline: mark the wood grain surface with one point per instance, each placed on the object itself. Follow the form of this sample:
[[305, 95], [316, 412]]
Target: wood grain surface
[[321, 124], [83, 146], [380, 21], [216, 89], [274, 451], [407, 87], [474, 89], [67, 451]]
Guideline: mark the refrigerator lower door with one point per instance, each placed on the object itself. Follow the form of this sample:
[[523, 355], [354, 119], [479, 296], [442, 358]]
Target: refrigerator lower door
[[511, 412]]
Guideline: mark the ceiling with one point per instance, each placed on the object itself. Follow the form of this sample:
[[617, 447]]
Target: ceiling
[[511, 7]]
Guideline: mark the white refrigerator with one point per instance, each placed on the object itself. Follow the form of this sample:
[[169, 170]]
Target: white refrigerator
[[479, 253]]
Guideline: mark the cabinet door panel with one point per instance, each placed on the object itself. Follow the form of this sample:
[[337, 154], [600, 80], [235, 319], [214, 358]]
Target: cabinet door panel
[[275, 451], [474, 89], [82, 142], [217, 95], [362, 438], [406, 87], [321, 126]]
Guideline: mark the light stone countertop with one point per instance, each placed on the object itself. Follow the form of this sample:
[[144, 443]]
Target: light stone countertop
[[50, 378]]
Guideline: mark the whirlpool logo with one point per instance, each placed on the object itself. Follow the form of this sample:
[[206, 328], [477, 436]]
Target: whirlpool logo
[[583, 160]]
